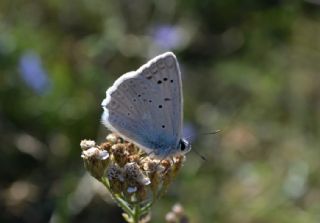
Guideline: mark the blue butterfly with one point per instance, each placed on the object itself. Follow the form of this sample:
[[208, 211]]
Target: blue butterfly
[[145, 107]]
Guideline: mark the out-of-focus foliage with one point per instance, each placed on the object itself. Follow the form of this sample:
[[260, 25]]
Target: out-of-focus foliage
[[250, 68]]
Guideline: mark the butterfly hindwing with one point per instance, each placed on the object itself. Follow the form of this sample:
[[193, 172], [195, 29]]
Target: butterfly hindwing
[[145, 106]]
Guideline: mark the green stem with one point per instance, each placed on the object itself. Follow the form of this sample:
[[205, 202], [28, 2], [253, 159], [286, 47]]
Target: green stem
[[122, 203], [136, 213]]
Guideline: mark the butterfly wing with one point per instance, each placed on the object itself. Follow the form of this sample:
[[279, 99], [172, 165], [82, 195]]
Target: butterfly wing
[[145, 106]]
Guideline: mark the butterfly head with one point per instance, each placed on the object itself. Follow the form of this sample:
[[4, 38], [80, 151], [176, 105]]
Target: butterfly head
[[184, 146]]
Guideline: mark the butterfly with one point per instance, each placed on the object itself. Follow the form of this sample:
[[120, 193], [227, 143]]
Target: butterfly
[[145, 107]]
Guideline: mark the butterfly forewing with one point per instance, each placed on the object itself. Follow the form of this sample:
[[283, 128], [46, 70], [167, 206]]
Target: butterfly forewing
[[145, 106]]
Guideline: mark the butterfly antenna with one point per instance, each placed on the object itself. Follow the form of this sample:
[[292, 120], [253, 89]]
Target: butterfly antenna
[[212, 133], [201, 156], [207, 133]]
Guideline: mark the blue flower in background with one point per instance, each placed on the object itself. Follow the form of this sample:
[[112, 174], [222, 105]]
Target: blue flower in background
[[33, 73], [166, 36]]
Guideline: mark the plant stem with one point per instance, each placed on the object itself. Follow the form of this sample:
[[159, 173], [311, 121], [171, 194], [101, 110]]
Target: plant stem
[[136, 213], [117, 198]]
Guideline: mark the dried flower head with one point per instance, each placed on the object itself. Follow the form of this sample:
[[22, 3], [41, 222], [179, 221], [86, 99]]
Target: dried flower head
[[86, 144], [176, 215], [134, 179], [178, 209], [115, 177], [95, 158], [171, 218]]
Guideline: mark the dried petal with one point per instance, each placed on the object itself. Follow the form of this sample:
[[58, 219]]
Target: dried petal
[[86, 144]]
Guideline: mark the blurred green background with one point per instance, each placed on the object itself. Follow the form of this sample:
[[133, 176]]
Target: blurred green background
[[250, 68]]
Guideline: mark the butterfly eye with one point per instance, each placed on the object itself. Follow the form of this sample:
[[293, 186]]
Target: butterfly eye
[[182, 145]]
